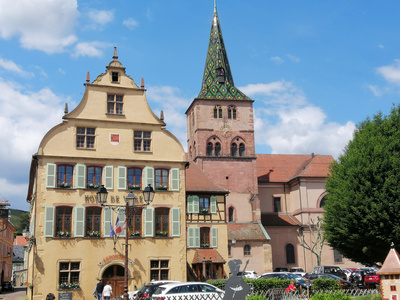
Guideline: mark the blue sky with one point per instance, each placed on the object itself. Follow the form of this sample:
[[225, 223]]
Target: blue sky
[[314, 68]]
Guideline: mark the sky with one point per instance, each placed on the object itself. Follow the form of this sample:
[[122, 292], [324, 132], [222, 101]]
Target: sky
[[315, 69]]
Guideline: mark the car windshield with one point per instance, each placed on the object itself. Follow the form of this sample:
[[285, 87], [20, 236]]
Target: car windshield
[[294, 276], [159, 290]]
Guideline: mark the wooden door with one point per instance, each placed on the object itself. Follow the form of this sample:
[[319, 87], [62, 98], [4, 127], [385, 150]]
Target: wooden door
[[115, 275]]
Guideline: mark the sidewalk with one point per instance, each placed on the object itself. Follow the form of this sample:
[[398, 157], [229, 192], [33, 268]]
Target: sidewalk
[[18, 294]]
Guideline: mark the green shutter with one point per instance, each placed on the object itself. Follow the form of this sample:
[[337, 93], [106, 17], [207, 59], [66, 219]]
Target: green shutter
[[107, 221], [174, 179], [196, 208], [213, 204], [196, 237], [149, 221], [190, 232], [176, 224], [49, 221], [109, 177], [32, 226], [79, 221], [51, 175], [121, 217], [190, 208], [121, 178], [214, 237], [148, 177], [80, 176]]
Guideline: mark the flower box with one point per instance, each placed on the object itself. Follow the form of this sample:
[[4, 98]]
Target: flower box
[[204, 246], [93, 187], [162, 234], [93, 234], [161, 188], [69, 286], [204, 212], [64, 186], [134, 188], [135, 234], [63, 234]]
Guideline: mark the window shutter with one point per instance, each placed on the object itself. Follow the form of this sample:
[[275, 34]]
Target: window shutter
[[80, 176], [49, 221], [51, 175], [79, 221], [196, 204], [32, 226], [121, 217], [107, 221], [176, 224], [109, 178], [174, 179], [214, 237], [196, 237], [121, 178], [148, 177], [213, 204], [191, 237], [149, 222], [190, 204]]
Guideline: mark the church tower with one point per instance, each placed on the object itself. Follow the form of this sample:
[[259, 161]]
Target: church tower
[[221, 132]]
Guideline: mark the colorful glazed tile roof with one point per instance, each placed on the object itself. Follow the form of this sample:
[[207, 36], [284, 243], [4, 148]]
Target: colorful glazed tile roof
[[217, 59]]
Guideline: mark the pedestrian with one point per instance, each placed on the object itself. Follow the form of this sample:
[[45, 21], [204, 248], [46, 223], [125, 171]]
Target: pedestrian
[[50, 296], [98, 289], [107, 291], [291, 287]]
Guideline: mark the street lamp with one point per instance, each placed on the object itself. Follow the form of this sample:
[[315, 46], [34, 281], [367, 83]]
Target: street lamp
[[148, 196]]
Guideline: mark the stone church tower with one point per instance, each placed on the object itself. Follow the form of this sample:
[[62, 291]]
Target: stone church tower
[[220, 126]]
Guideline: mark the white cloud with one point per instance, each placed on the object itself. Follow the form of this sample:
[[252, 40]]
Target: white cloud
[[99, 18], [391, 73], [293, 58], [14, 193], [45, 25], [130, 23], [9, 65], [91, 49], [277, 59]]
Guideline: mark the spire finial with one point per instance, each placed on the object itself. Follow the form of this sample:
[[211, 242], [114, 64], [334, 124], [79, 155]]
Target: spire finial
[[115, 56], [215, 6]]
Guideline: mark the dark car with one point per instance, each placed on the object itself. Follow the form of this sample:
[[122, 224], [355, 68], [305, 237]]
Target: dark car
[[281, 270], [7, 286]]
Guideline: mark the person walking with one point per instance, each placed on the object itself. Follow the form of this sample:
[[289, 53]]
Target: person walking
[[107, 291], [99, 289]]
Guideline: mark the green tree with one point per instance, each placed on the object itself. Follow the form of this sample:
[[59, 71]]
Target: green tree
[[362, 211]]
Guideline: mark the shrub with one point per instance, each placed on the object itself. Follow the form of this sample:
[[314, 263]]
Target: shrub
[[255, 297], [323, 284], [334, 296]]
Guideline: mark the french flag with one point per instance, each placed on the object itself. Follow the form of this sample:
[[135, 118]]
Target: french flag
[[118, 228]]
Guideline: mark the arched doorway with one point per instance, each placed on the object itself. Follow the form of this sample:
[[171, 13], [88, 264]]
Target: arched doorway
[[115, 274]]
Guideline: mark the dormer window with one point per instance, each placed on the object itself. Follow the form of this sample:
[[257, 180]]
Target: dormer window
[[221, 75], [114, 104], [114, 76]]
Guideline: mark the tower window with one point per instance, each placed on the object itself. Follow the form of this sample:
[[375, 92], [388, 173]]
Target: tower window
[[233, 149], [230, 214], [217, 149], [232, 112], [210, 147], [241, 150], [221, 75], [217, 112]]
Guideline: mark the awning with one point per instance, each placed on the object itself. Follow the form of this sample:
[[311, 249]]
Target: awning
[[207, 255]]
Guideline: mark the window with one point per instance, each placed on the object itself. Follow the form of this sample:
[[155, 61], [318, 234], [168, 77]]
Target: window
[[246, 250], [323, 202], [230, 214], [217, 149], [85, 137], [162, 221], [69, 273], [241, 150], [142, 141], [337, 256], [204, 237], [64, 177], [161, 179], [135, 227], [134, 178], [290, 254], [229, 250], [232, 112], [159, 269], [94, 177], [63, 221], [114, 104], [114, 76], [217, 112], [93, 221], [277, 204], [233, 149], [204, 205], [210, 147]]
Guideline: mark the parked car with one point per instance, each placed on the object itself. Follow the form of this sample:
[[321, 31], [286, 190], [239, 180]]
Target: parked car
[[296, 270], [300, 281], [348, 273], [344, 284], [371, 280], [281, 270], [333, 270], [147, 290], [7, 286], [188, 290], [249, 274]]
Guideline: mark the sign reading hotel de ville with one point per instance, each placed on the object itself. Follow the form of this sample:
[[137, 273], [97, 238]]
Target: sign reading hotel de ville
[[114, 139]]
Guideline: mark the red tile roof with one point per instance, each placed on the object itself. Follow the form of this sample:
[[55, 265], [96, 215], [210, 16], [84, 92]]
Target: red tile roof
[[20, 240], [247, 231], [391, 265], [202, 255], [285, 167], [279, 220], [198, 181]]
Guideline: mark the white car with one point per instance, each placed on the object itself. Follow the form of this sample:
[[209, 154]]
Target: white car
[[249, 274], [188, 290]]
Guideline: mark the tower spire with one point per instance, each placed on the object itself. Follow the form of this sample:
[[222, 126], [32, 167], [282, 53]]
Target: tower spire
[[217, 78]]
